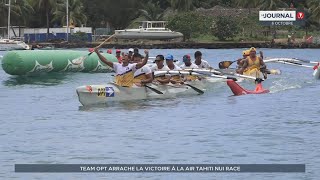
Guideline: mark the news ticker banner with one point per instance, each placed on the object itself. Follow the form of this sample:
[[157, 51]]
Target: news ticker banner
[[160, 168], [282, 18]]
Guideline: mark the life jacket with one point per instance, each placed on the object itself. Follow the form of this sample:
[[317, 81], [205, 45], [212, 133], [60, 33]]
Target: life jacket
[[253, 63]]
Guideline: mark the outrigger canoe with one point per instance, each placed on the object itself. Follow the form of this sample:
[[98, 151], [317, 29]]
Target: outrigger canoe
[[238, 90], [102, 94]]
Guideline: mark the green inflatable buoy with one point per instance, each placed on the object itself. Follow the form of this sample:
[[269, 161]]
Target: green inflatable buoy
[[37, 61]]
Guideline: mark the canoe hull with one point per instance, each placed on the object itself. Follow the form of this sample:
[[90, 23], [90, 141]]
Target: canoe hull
[[254, 73], [103, 94]]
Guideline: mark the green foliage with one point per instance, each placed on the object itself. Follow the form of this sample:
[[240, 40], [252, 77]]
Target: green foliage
[[225, 27], [79, 37], [189, 24], [152, 11], [76, 14]]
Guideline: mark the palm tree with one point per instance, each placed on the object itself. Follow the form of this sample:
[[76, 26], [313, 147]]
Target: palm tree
[[181, 5], [48, 6], [152, 12], [20, 10], [314, 7], [76, 14], [272, 4]]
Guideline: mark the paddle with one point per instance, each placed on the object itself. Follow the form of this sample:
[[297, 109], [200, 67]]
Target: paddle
[[295, 64], [79, 60], [226, 64], [153, 89], [194, 88]]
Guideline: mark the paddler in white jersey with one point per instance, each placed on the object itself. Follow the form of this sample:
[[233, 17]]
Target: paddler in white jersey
[[124, 71], [143, 75], [200, 62], [159, 66], [172, 66], [189, 65]]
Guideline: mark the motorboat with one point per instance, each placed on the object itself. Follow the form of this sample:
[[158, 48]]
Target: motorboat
[[9, 44], [155, 30]]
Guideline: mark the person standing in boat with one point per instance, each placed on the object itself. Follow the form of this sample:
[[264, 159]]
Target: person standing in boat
[[125, 71], [200, 62], [143, 75], [159, 66], [252, 62]]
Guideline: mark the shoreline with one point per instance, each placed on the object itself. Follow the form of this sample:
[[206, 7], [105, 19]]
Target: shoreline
[[181, 45]]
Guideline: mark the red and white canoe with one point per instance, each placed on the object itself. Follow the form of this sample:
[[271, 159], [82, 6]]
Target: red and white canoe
[[238, 90]]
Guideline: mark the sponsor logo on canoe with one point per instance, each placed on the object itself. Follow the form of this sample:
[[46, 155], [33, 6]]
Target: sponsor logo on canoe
[[101, 68], [41, 68], [89, 88], [73, 67], [106, 92]]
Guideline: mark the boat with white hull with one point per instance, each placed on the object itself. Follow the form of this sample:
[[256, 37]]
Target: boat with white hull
[[153, 30], [9, 44], [102, 94]]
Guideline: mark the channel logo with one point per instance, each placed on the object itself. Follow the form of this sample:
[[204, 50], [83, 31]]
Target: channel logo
[[278, 15], [300, 15]]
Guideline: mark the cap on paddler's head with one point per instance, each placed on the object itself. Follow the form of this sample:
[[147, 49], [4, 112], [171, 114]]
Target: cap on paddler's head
[[130, 50], [186, 58], [118, 51], [252, 49], [169, 57], [109, 51], [246, 53]]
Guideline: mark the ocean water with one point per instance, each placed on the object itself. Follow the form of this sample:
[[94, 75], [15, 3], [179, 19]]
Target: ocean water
[[42, 121]]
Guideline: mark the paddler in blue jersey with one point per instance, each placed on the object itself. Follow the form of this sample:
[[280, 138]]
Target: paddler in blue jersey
[[124, 71]]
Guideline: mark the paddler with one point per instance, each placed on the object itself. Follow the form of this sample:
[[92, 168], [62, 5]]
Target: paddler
[[125, 71], [189, 65], [130, 54], [240, 61], [118, 55], [143, 75], [252, 62], [172, 66], [200, 62], [159, 66]]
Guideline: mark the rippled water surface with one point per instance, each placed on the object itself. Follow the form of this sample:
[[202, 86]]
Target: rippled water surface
[[42, 121]]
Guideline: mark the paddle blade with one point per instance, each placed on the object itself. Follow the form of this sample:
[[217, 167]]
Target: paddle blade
[[225, 64], [259, 80], [275, 71]]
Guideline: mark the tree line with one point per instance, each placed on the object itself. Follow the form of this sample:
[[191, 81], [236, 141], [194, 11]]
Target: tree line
[[120, 13]]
